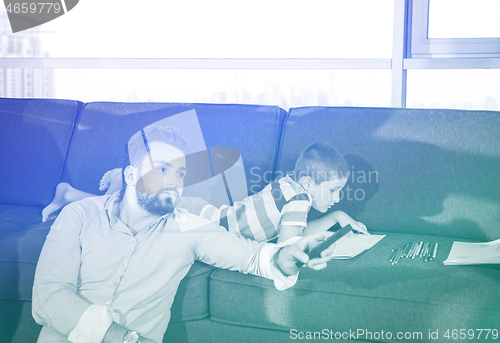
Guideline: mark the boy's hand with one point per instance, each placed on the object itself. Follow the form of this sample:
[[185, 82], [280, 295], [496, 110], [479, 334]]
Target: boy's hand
[[344, 219], [289, 255]]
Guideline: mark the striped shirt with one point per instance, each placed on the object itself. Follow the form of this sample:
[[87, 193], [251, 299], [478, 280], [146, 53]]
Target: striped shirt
[[260, 216]]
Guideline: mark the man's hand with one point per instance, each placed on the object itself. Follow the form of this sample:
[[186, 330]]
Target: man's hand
[[344, 219], [289, 255]]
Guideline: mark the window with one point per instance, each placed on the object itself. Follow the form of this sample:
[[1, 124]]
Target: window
[[221, 29], [464, 19], [285, 88], [284, 52], [437, 28], [19, 47], [10, 48], [471, 89]]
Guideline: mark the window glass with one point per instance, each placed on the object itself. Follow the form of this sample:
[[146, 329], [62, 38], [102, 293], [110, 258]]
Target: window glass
[[285, 88], [476, 89], [27, 83], [464, 18], [219, 29]]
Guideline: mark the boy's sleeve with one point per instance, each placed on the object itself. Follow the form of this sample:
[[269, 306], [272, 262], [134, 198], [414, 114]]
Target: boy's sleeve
[[296, 210]]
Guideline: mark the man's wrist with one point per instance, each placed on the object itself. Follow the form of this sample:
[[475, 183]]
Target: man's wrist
[[131, 337], [277, 262]]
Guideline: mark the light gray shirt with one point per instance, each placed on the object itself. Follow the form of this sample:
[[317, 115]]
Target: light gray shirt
[[90, 257]]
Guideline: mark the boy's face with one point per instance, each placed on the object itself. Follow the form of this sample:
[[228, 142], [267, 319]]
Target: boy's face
[[326, 194]]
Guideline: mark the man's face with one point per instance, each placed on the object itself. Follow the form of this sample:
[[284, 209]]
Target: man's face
[[159, 190], [326, 194]]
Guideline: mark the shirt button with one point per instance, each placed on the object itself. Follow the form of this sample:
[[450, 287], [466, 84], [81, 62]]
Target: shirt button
[[133, 240], [125, 263], [107, 303]]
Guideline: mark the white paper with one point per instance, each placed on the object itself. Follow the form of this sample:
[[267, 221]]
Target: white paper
[[354, 244], [474, 253]]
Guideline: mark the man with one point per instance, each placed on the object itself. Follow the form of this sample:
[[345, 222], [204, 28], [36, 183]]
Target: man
[[111, 265]]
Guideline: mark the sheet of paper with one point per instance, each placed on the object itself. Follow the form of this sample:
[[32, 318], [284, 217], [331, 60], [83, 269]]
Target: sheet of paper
[[354, 244], [474, 253]]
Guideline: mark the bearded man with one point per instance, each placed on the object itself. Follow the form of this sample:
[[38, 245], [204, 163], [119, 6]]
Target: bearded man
[[111, 265]]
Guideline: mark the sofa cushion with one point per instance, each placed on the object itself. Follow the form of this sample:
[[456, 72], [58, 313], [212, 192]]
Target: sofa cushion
[[209, 331], [104, 128], [16, 322], [366, 292], [17, 218], [191, 299], [34, 136], [19, 254], [435, 170]]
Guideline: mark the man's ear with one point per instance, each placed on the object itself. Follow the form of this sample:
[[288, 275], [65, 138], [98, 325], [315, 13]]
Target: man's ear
[[305, 181], [130, 175]]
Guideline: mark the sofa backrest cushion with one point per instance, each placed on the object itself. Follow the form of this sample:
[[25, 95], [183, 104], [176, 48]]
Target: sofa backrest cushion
[[104, 128], [422, 171], [34, 140]]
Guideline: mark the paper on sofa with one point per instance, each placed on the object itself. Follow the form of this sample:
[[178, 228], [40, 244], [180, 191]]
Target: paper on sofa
[[474, 253], [354, 244]]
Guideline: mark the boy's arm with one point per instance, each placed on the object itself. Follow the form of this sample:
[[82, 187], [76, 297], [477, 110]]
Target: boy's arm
[[332, 218], [289, 231]]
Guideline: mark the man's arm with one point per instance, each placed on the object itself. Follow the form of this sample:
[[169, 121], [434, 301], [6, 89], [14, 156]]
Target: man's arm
[[55, 303], [55, 300], [214, 245], [285, 259]]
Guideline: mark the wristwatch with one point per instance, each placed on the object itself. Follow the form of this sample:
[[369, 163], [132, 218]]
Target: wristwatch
[[131, 337]]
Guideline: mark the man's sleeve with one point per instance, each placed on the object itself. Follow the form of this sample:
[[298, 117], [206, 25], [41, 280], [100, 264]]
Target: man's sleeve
[[216, 246], [55, 302]]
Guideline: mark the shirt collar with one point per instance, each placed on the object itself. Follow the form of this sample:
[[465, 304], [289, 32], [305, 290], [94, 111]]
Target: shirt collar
[[296, 186]]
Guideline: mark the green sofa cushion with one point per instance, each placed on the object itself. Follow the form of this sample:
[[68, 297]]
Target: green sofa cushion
[[366, 292], [16, 218], [419, 171], [191, 299]]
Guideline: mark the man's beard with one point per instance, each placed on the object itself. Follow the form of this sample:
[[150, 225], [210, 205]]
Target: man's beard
[[155, 204]]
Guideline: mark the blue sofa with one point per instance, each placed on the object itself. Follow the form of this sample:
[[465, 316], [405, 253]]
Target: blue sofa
[[419, 175]]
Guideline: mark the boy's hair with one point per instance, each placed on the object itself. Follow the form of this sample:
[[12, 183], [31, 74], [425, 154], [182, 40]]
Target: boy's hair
[[321, 162], [135, 149]]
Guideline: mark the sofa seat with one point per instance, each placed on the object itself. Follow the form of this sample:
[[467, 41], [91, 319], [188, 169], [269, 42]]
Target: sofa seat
[[18, 259], [366, 292], [17, 217]]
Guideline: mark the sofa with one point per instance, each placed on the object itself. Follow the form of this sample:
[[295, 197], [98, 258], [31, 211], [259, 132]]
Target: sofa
[[427, 175]]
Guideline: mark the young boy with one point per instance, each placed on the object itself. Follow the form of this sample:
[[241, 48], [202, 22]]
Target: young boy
[[278, 211], [281, 208]]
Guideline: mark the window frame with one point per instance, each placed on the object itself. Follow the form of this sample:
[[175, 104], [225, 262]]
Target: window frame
[[424, 47]]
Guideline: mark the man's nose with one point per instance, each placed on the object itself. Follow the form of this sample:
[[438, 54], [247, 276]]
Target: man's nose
[[172, 181]]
